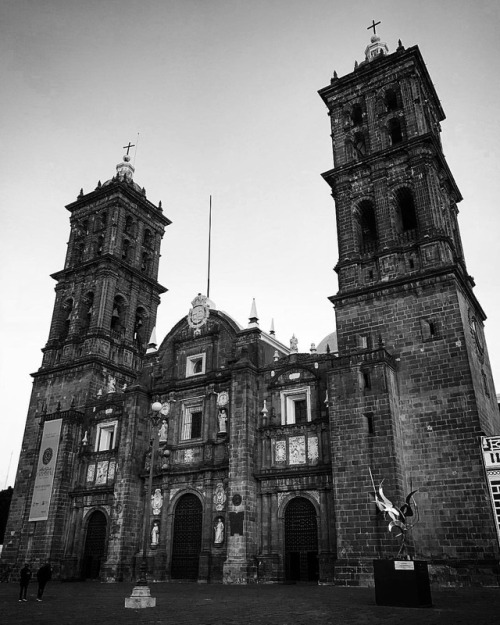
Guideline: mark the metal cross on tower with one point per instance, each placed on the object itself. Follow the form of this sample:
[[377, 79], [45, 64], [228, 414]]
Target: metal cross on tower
[[127, 147], [374, 24]]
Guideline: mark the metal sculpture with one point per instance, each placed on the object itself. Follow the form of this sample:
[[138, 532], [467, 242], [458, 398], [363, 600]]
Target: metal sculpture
[[399, 516]]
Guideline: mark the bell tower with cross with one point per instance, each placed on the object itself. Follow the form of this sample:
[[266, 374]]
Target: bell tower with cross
[[105, 307], [405, 300], [107, 294]]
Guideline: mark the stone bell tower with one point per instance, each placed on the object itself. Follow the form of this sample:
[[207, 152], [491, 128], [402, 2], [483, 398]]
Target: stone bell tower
[[404, 288], [104, 313]]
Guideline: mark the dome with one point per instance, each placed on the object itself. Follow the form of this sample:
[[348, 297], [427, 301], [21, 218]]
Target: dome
[[331, 341]]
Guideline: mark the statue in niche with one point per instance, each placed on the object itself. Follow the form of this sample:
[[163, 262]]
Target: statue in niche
[[157, 501], [163, 431], [219, 531], [155, 534], [222, 421], [111, 384]]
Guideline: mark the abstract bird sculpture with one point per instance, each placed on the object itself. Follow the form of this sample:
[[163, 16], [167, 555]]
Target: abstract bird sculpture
[[397, 515]]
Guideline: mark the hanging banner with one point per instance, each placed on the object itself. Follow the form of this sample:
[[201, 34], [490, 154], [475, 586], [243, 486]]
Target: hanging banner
[[45, 471]]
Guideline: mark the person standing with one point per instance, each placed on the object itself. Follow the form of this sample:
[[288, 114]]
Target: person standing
[[24, 580], [44, 574]]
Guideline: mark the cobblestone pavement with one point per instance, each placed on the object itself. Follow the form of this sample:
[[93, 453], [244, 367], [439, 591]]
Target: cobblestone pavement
[[91, 603]]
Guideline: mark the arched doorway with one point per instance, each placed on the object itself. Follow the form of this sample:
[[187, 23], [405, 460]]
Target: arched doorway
[[186, 544], [95, 545], [301, 541]]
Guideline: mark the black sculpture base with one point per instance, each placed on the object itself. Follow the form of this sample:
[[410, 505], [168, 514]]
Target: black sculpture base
[[403, 583]]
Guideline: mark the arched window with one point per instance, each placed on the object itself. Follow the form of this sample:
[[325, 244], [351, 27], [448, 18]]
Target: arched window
[[139, 324], [66, 314], [79, 250], [360, 145], [146, 262], [406, 214], [118, 314], [102, 220], [391, 100], [395, 131], [99, 246], [148, 238], [367, 227], [126, 250], [357, 115], [87, 309], [349, 150], [129, 225]]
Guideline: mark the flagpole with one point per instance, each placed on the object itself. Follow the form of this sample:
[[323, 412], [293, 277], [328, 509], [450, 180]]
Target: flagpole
[[209, 244]]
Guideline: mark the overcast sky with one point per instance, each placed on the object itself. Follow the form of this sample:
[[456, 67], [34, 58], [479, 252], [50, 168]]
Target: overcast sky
[[223, 94]]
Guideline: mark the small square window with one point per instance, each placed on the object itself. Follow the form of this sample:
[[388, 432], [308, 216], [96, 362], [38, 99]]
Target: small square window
[[430, 329], [192, 422], [106, 437], [296, 406], [363, 342], [195, 365]]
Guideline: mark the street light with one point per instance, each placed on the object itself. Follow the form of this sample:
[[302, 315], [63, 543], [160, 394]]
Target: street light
[[141, 597]]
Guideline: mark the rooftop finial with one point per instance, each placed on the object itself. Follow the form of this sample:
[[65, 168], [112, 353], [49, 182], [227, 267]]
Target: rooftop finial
[[125, 170], [374, 26], [376, 48], [272, 331], [152, 343], [132, 145], [253, 320]]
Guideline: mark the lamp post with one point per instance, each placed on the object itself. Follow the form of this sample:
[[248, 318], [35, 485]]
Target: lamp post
[[141, 597]]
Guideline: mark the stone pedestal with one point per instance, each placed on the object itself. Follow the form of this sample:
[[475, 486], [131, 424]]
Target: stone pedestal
[[140, 598], [402, 583]]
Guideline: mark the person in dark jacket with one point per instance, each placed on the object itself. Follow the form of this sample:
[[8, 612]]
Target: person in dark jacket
[[44, 574], [24, 580]]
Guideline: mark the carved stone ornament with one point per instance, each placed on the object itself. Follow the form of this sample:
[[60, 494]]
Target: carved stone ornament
[[198, 314], [219, 497], [222, 398], [157, 501]]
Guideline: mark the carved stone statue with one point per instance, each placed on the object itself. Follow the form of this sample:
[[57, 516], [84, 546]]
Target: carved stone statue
[[111, 384], [219, 531], [222, 420], [163, 432], [157, 501], [155, 533]]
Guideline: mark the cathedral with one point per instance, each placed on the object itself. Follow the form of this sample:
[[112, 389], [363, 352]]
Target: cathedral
[[221, 455]]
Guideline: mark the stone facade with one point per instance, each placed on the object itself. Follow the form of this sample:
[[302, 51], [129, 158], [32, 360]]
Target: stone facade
[[261, 469]]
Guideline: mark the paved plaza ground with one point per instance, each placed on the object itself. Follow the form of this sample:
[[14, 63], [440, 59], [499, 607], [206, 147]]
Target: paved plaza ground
[[92, 603]]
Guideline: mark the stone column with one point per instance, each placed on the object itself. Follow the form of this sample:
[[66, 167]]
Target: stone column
[[242, 493]]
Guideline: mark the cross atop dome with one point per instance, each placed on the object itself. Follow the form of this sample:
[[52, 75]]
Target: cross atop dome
[[376, 47]]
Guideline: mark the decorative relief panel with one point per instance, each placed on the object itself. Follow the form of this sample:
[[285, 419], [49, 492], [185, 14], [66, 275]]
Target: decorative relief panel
[[297, 450], [280, 451], [189, 455], [314, 494], [173, 493], [102, 472], [219, 497], [111, 470], [312, 449]]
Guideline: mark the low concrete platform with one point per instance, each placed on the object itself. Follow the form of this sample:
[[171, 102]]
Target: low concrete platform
[[92, 603]]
